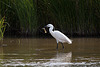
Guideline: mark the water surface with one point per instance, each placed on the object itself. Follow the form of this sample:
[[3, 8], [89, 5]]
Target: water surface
[[31, 52]]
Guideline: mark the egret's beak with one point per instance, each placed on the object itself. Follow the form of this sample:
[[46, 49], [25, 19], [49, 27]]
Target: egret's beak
[[44, 30]]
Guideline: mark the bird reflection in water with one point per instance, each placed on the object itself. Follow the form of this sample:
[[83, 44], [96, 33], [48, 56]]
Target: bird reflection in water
[[62, 57]]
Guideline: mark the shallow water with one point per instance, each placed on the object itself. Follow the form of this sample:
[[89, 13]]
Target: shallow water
[[38, 52]]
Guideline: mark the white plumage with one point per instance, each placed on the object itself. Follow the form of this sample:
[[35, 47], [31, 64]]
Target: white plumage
[[60, 37]]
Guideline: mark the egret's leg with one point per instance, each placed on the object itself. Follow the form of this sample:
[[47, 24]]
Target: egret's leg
[[57, 46], [62, 45]]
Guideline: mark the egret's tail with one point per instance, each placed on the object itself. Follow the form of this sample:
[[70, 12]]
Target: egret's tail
[[69, 41]]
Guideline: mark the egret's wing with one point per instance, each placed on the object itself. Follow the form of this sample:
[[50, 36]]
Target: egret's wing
[[61, 37]]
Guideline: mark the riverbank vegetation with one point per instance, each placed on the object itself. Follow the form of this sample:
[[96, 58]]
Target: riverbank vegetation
[[72, 17], [3, 25]]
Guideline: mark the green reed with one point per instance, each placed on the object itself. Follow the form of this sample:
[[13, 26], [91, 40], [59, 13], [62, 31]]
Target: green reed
[[75, 17], [21, 14], [2, 27], [26, 11], [80, 17]]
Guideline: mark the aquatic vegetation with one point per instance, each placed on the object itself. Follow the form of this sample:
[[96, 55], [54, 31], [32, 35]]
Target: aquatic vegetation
[[74, 17], [26, 12], [2, 27], [21, 15]]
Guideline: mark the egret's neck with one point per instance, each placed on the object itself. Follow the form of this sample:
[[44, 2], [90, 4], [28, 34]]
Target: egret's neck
[[51, 30]]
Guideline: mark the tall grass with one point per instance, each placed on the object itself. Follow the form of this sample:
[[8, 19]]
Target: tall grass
[[26, 11], [62, 12], [2, 27], [74, 17], [21, 14]]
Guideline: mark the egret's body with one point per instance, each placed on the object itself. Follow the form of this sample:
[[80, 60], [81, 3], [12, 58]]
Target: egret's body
[[60, 37]]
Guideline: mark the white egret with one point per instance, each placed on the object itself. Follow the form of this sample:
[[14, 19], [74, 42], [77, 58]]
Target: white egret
[[60, 37]]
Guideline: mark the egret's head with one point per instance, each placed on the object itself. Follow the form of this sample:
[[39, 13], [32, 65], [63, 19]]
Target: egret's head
[[50, 26]]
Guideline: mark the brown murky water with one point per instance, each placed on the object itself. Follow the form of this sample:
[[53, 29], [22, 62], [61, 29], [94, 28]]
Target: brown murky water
[[36, 52]]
